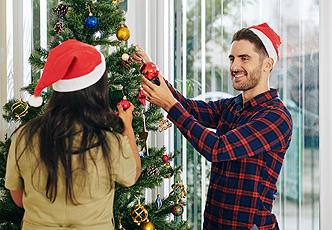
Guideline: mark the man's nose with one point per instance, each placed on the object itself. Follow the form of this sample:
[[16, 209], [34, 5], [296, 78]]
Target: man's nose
[[235, 65]]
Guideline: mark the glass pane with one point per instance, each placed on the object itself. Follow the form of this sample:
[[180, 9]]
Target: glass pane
[[295, 75]]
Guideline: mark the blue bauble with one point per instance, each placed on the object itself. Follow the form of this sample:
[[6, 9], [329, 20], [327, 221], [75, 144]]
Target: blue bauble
[[91, 22]]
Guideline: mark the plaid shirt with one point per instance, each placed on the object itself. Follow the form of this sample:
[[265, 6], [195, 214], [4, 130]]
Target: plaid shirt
[[246, 151]]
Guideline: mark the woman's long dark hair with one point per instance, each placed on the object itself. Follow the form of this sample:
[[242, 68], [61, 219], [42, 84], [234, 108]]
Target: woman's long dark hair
[[84, 112]]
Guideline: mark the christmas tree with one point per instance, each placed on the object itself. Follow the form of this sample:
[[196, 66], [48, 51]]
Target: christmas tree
[[102, 23]]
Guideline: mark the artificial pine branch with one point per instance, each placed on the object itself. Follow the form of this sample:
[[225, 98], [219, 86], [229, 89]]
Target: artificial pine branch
[[124, 80]]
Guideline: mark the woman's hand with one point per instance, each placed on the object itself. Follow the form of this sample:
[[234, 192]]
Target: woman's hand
[[126, 115]]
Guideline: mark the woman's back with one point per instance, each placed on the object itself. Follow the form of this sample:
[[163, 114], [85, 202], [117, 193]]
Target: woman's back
[[62, 165], [91, 186]]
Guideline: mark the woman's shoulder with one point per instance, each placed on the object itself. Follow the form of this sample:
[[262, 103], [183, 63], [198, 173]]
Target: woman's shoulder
[[116, 138]]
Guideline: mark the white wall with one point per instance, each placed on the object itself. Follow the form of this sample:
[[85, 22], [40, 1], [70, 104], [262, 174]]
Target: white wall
[[325, 114], [3, 65]]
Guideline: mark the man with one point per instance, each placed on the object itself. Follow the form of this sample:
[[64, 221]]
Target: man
[[253, 132]]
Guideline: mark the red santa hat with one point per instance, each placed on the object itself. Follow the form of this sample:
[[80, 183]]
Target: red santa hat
[[269, 38], [71, 66]]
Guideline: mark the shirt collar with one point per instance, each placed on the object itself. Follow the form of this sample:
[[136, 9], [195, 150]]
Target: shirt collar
[[257, 100]]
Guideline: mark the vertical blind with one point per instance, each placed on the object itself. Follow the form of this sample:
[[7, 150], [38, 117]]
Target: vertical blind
[[202, 36]]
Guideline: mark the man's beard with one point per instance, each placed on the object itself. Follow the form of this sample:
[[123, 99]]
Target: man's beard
[[250, 81]]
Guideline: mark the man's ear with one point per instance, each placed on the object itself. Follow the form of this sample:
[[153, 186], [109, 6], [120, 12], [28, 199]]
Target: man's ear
[[268, 64]]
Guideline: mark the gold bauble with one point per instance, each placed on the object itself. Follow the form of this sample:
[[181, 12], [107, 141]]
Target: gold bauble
[[115, 1], [139, 214], [147, 226], [123, 33], [168, 171], [20, 109]]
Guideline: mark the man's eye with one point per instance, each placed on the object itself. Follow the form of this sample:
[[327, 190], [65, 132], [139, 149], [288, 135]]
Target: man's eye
[[244, 59]]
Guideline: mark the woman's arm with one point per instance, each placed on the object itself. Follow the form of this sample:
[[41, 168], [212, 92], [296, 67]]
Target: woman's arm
[[17, 197]]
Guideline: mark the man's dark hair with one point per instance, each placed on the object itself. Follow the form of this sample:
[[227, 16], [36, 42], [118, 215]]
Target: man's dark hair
[[247, 34]]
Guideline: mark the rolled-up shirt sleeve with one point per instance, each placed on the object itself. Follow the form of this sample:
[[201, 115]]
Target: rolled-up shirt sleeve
[[124, 164], [267, 131], [13, 178]]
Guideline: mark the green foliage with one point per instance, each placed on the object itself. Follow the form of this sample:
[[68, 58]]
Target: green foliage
[[124, 80]]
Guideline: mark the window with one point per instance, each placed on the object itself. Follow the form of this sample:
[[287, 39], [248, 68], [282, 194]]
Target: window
[[203, 31]]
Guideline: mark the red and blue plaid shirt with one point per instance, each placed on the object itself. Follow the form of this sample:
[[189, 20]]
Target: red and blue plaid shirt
[[246, 151]]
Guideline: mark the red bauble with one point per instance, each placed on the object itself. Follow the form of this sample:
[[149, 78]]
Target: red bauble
[[142, 97], [165, 158], [177, 210], [149, 71], [124, 103]]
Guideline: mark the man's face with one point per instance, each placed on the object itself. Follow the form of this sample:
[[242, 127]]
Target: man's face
[[245, 65]]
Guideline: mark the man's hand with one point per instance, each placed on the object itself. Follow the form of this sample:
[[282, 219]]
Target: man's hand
[[141, 55], [158, 95]]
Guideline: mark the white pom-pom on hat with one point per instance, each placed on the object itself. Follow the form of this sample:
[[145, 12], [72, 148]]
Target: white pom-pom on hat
[[35, 101]]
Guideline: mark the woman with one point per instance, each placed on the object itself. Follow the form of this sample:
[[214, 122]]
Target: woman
[[62, 166]]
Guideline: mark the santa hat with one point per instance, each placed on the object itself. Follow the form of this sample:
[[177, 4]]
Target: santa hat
[[269, 38], [71, 66]]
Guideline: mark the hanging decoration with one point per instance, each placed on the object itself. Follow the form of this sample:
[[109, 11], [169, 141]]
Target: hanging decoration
[[61, 10], [149, 70], [59, 26], [147, 226], [139, 214], [20, 109], [125, 57], [141, 97], [179, 190], [159, 203], [123, 33], [169, 171], [164, 124], [124, 103], [165, 158], [177, 209], [153, 171], [91, 21]]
